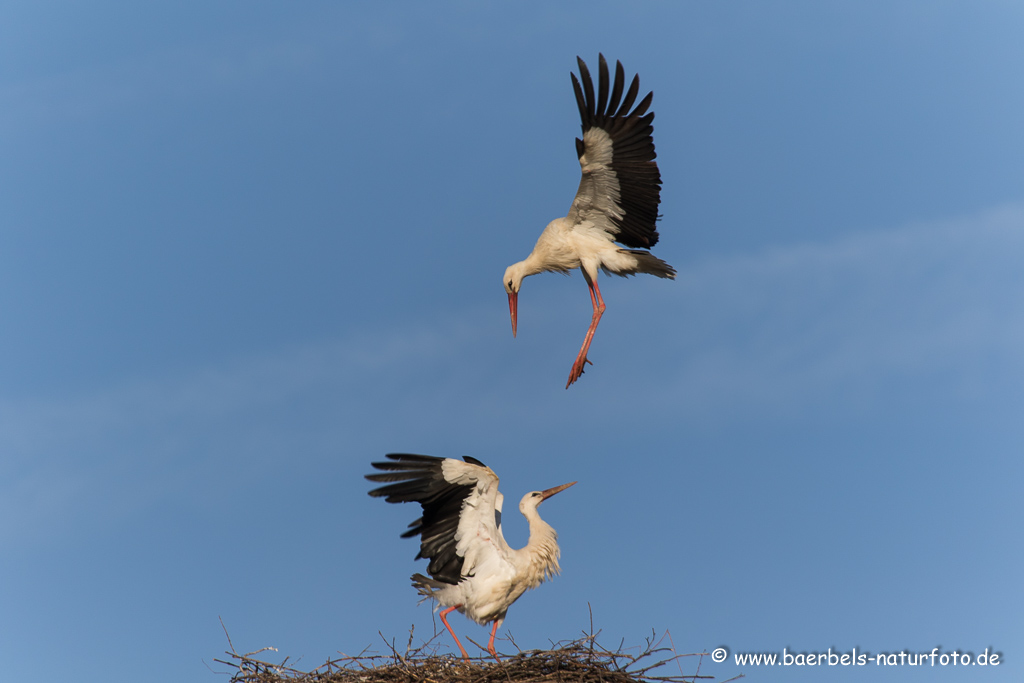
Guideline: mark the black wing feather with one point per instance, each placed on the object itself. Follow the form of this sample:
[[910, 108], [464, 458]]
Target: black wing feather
[[634, 89], [620, 79], [602, 87], [581, 103], [588, 87]]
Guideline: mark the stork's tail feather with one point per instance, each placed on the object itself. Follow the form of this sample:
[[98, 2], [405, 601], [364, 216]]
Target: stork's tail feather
[[651, 264], [427, 586]]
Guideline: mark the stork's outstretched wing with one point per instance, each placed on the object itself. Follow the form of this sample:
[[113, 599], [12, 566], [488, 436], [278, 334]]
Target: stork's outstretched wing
[[458, 499], [621, 185]]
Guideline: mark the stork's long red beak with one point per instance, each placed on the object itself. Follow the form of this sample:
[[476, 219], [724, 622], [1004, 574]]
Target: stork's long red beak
[[544, 495], [513, 308]]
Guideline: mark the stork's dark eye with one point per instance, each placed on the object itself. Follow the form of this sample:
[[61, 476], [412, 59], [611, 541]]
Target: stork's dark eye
[[510, 284], [536, 494]]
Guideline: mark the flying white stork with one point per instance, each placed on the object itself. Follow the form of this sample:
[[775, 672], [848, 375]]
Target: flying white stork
[[617, 200], [473, 569]]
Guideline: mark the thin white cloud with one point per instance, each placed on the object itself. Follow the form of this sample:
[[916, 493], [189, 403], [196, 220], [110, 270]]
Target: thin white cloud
[[773, 332], [790, 324], [106, 452]]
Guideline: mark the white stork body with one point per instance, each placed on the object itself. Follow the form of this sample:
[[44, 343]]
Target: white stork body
[[472, 568], [617, 200]]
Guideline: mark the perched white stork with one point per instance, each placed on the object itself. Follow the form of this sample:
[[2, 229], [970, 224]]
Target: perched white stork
[[473, 569], [617, 200]]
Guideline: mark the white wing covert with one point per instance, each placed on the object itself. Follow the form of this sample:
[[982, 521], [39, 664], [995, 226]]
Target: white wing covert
[[478, 539]]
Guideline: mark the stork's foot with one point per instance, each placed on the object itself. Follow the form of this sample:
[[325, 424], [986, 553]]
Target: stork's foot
[[577, 370], [490, 643]]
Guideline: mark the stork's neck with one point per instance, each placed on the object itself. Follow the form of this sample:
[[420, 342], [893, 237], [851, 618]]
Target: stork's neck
[[531, 265], [539, 558]]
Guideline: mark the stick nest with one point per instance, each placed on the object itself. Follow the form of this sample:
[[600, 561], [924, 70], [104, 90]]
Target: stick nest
[[578, 661]]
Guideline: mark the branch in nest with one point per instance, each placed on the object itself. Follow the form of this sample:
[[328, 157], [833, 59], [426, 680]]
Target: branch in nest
[[579, 661]]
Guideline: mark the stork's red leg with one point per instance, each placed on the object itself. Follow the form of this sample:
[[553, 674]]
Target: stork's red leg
[[490, 643], [444, 613], [598, 303]]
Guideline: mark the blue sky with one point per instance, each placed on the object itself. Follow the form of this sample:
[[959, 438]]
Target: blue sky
[[250, 247]]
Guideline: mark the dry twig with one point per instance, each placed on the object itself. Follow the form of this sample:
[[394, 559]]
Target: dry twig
[[583, 660]]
